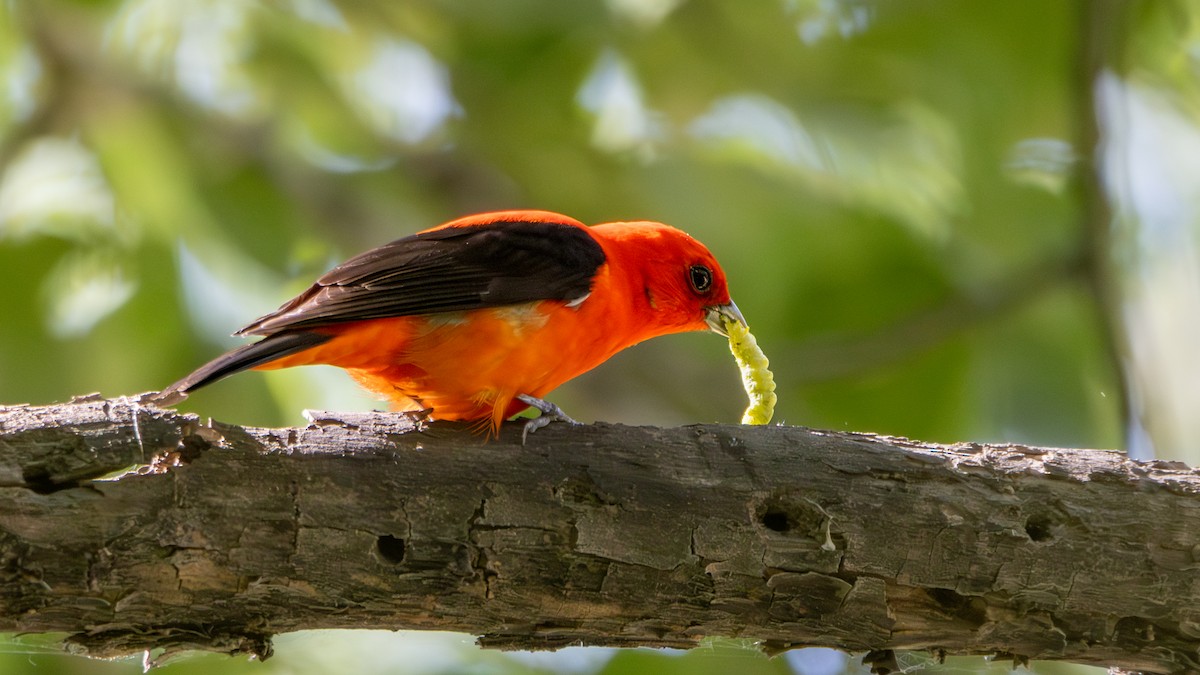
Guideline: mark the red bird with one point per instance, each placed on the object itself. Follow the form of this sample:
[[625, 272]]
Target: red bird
[[481, 317]]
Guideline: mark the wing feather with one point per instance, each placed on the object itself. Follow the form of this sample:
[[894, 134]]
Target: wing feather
[[448, 269]]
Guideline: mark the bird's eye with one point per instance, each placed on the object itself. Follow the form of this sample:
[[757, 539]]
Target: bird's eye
[[701, 278]]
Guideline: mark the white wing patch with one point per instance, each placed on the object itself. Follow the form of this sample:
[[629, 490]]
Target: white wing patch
[[579, 301]]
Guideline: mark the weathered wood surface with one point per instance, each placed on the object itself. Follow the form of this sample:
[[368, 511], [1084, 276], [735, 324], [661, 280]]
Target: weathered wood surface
[[218, 537]]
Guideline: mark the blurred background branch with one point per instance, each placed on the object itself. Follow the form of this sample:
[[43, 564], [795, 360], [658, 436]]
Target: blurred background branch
[[1105, 28]]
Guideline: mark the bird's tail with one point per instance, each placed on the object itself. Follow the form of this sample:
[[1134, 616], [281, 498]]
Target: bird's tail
[[262, 352]]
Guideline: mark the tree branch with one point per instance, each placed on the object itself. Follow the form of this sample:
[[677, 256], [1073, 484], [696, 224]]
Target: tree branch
[[131, 527]]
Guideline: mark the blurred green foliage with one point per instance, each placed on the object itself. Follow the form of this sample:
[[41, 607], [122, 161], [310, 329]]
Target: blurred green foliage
[[904, 196]]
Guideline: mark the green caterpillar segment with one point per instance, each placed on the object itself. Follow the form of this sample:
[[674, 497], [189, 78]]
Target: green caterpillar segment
[[756, 377]]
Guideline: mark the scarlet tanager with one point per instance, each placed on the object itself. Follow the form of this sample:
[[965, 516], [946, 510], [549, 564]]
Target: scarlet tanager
[[481, 317]]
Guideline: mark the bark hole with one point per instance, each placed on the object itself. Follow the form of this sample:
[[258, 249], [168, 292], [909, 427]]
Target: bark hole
[[38, 479], [1039, 527], [390, 548], [776, 521], [792, 515]]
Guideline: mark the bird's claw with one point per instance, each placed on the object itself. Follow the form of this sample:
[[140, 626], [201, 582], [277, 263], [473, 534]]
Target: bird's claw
[[549, 413]]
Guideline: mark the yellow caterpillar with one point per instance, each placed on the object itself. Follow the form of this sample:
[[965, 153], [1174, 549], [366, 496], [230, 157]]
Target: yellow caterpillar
[[756, 377]]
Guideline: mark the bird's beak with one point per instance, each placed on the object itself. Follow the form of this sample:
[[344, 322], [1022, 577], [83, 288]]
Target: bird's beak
[[717, 315]]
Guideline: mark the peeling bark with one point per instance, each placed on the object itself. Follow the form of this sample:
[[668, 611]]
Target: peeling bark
[[131, 527]]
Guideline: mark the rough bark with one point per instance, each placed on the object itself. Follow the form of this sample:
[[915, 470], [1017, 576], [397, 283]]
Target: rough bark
[[131, 527]]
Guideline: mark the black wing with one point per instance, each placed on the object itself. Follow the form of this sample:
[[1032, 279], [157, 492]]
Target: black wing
[[450, 269], [248, 356]]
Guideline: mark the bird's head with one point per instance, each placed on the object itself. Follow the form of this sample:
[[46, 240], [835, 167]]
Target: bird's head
[[682, 285]]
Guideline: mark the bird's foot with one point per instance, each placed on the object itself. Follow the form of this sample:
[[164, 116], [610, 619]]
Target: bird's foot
[[549, 413]]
